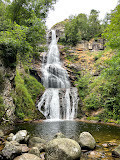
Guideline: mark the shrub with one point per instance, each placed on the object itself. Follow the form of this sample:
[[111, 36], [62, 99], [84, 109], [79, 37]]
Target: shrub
[[27, 89]]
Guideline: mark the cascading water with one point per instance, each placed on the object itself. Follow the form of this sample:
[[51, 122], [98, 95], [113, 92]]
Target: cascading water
[[59, 100]]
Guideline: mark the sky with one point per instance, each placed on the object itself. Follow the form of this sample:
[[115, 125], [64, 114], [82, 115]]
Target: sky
[[64, 8]]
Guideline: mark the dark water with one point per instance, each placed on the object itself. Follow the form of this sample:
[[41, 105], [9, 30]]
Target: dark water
[[71, 129]]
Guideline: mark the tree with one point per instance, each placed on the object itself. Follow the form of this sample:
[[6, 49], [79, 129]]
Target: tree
[[20, 10], [82, 22], [112, 32], [94, 24], [72, 35]]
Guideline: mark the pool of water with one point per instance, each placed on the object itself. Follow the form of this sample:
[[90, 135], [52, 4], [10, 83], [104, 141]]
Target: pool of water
[[71, 129]]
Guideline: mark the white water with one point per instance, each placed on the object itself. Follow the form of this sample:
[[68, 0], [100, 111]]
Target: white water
[[59, 100]]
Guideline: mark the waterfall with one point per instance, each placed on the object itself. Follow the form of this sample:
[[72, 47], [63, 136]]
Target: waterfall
[[59, 100]]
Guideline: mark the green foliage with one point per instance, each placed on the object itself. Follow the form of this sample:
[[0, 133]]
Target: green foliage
[[112, 32], [36, 31], [2, 109], [20, 10], [22, 29], [82, 85], [23, 100], [27, 89], [94, 24], [82, 27], [13, 42], [72, 35], [92, 102], [72, 58], [103, 91], [33, 86]]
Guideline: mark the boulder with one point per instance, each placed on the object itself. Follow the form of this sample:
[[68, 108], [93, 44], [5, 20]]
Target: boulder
[[27, 156], [59, 135], [62, 149], [37, 142], [40, 146], [35, 151], [116, 152], [34, 140], [87, 141], [21, 136], [11, 149]]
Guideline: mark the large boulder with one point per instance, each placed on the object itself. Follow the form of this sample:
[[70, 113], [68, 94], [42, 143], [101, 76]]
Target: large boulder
[[27, 156], [116, 152], [11, 149], [87, 141], [21, 136], [63, 149]]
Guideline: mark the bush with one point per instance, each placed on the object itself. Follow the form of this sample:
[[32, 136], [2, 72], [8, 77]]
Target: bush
[[33, 86], [92, 102], [27, 89], [82, 85]]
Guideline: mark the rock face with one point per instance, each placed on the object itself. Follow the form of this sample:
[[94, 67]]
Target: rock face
[[116, 152], [87, 141], [63, 149], [8, 76], [91, 45], [27, 156]]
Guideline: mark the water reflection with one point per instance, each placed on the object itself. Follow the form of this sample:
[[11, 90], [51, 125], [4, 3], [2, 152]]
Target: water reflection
[[71, 129], [48, 129]]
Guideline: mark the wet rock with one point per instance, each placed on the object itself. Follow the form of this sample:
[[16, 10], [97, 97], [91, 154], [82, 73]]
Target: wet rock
[[40, 146], [37, 142], [116, 152], [35, 151], [87, 141], [95, 155], [10, 137], [11, 149], [21, 136], [105, 145], [24, 148], [1, 133], [27, 156], [59, 135], [62, 149]]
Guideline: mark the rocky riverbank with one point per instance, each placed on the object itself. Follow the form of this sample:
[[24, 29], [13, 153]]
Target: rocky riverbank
[[21, 146]]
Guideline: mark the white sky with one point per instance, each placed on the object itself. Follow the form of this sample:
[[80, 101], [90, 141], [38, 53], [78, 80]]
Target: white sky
[[64, 8]]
